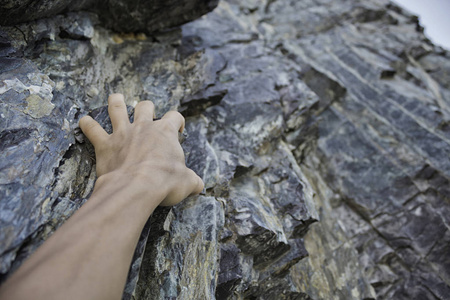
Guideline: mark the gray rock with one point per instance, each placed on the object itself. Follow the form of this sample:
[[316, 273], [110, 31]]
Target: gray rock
[[321, 130], [121, 16]]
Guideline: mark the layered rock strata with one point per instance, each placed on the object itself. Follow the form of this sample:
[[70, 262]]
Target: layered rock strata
[[121, 16], [297, 112]]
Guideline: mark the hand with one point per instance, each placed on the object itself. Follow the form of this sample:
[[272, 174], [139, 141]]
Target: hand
[[145, 151]]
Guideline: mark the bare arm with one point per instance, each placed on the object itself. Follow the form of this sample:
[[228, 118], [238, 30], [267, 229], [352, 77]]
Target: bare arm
[[140, 166]]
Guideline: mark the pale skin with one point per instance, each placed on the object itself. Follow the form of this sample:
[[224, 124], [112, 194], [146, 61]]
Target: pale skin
[[140, 166]]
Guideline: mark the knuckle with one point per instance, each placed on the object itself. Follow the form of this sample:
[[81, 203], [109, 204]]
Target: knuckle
[[164, 128], [167, 126], [177, 114], [171, 169], [144, 110], [116, 105], [116, 101], [88, 125], [91, 124], [141, 126], [120, 134]]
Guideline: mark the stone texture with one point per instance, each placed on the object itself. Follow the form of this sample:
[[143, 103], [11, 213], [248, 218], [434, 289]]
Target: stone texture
[[121, 16], [321, 129]]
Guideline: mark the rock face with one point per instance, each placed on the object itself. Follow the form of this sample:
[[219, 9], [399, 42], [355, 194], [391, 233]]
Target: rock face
[[297, 112], [122, 16]]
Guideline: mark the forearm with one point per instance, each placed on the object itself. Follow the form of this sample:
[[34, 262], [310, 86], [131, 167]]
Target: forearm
[[92, 250]]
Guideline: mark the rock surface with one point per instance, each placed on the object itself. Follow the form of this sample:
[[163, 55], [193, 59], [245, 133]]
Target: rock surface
[[121, 16], [297, 112]]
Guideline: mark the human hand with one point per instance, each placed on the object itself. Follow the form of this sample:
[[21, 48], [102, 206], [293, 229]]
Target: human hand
[[145, 152]]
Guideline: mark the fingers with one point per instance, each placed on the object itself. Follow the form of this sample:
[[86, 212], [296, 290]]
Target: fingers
[[117, 111], [94, 132], [144, 110], [197, 184], [175, 118]]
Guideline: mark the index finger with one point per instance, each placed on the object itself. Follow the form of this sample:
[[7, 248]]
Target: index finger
[[94, 131]]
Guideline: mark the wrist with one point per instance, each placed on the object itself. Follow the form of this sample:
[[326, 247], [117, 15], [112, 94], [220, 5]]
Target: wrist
[[129, 189]]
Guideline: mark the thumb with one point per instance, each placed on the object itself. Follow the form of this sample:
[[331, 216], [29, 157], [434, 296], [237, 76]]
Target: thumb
[[191, 184], [197, 183]]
